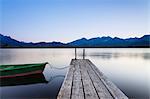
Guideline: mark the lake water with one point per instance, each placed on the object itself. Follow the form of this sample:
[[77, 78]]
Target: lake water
[[128, 68]]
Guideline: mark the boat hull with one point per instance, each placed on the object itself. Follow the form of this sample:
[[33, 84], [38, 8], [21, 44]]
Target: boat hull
[[22, 71]]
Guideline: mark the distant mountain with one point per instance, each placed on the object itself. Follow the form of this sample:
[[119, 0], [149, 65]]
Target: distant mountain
[[8, 42], [112, 42]]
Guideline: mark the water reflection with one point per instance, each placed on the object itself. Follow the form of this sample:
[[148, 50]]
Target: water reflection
[[47, 84], [107, 55], [128, 68], [23, 80], [50, 73]]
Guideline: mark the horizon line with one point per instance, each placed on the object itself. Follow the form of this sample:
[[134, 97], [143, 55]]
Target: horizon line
[[72, 40]]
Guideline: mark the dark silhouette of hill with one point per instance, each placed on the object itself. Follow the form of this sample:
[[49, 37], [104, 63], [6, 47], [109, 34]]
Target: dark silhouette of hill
[[8, 42], [112, 42]]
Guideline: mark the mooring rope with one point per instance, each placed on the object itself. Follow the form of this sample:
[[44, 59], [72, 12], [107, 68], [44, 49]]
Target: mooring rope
[[57, 67]]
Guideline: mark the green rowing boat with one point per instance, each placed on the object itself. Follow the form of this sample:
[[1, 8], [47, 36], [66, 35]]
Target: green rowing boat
[[9, 71]]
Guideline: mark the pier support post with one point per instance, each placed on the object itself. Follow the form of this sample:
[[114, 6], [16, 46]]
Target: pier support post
[[75, 53], [83, 53]]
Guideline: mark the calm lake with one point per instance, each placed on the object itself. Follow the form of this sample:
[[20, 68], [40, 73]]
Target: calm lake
[[128, 68]]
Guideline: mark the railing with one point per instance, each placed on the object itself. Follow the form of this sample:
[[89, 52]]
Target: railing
[[82, 54]]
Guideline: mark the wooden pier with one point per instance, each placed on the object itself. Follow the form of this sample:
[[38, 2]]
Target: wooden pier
[[85, 81]]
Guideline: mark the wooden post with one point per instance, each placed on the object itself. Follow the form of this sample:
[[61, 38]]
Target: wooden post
[[83, 53], [75, 53]]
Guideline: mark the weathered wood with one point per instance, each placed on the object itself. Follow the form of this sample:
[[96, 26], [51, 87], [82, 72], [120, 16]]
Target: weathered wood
[[89, 90], [85, 81], [65, 91], [77, 87], [99, 86], [112, 88]]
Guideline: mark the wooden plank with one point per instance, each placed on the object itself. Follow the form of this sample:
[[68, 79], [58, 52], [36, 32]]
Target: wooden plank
[[89, 90], [77, 89], [114, 91], [99, 86], [65, 91], [85, 81]]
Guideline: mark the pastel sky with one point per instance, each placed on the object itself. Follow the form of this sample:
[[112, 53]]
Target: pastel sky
[[67, 20]]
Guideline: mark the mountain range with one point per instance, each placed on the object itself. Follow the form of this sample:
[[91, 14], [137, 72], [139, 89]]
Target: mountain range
[[143, 42]]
